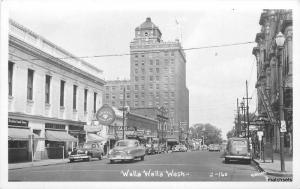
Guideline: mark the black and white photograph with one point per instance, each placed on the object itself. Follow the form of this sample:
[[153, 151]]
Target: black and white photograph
[[178, 94]]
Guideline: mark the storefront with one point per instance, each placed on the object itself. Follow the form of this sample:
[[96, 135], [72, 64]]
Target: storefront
[[20, 140], [57, 141]]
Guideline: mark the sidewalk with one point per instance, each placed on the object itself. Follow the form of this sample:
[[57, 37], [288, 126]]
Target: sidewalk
[[274, 168], [37, 163]]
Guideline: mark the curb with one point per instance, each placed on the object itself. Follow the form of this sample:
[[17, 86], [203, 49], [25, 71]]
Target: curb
[[271, 173], [22, 167]]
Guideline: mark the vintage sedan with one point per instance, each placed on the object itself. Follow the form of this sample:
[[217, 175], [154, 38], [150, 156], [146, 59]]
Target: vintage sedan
[[237, 149], [86, 152], [128, 149]]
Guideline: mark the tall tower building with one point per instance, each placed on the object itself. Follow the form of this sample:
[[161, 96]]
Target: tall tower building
[[158, 75]]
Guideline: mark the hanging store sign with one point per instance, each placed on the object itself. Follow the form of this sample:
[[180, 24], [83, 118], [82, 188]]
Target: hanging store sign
[[106, 115], [283, 126]]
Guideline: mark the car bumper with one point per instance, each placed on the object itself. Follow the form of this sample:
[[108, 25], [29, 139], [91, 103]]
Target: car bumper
[[120, 157], [237, 157], [78, 157]]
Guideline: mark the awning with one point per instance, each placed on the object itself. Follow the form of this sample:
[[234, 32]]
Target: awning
[[95, 138], [21, 134], [61, 136]]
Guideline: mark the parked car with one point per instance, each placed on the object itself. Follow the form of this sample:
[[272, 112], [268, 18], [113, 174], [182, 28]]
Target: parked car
[[86, 152], [150, 149], [237, 149], [128, 149], [214, 147], [179, 148]]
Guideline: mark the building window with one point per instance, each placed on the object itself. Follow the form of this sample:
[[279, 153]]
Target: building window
[[157, 78], [113, 103], [143, 78], [143, 95], [136, 87], [166, 53], [157, 62], [107, 88], [47, 89], [74, 96], [113, 97], [107, 96], [172, 61], [30, 84], [151, 86], [136, 95], [143, 62], [151, 70], [151, 78], [85, 99], [172, 94], [128, 103], [143, 103], [172, 53], [10, 77], [62, 93], [143, 70], [127, 95], [142, 55], [113, 88], [136, 103], [157, 70], [157, 86], [136, 71], [128, 87], [166, 62], [95, 102], [143, 87], [136, 78], [151, 62], [136, 63]]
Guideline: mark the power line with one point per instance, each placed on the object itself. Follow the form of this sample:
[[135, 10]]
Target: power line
[[151, 51]]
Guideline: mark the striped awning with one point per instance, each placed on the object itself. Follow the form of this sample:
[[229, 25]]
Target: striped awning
[[59, 136]]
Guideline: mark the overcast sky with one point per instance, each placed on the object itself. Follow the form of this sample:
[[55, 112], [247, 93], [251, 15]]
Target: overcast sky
[[215, 76]]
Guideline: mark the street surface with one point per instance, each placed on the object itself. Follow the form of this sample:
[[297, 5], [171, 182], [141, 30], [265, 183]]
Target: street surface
[[177, 166]]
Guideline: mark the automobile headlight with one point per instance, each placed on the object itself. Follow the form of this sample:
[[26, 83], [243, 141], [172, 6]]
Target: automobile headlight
[[110, 152], [86, 152], [128, 151]]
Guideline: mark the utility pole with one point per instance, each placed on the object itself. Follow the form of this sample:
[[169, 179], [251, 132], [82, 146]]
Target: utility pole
[[123, 112], [247, 108], [238, 118]]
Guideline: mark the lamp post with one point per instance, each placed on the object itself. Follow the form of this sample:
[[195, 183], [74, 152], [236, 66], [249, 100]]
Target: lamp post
[[280, 42]]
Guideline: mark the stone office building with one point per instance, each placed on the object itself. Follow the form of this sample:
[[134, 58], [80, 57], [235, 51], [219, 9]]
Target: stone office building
[[49, 99], [157, 77]]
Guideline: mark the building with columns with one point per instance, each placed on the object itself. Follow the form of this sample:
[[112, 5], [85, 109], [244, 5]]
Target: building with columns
[[274, 61], [50, 99]]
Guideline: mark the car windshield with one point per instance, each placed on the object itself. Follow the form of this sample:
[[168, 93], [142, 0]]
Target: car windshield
[[241, 143], [126, 143]]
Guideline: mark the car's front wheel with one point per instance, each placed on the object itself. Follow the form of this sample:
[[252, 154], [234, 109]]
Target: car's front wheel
[[112, 161], [226, 160], [100, 157]]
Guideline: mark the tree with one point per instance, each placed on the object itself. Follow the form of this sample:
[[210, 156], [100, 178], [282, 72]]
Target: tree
[[210, 133], [230, 133]]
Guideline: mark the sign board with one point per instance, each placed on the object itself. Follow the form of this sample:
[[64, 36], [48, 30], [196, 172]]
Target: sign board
[[282, 126], [17, 122], [260, 134], [106, 115]]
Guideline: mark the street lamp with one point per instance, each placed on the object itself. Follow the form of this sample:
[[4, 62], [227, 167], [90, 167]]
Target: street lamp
[[280, 42]]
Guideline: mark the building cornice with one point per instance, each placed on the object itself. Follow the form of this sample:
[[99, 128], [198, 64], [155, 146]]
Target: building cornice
[[41, 55], [21, 115]]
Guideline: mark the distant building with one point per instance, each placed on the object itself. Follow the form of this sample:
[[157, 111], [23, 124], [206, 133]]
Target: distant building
[[49, 98], [157, 77]]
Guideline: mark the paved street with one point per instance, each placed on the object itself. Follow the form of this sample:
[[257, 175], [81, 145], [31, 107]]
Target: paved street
[[180, 166]]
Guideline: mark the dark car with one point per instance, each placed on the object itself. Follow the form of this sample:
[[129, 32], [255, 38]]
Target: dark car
[[86, 152], [237, 149], [128, 149]]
